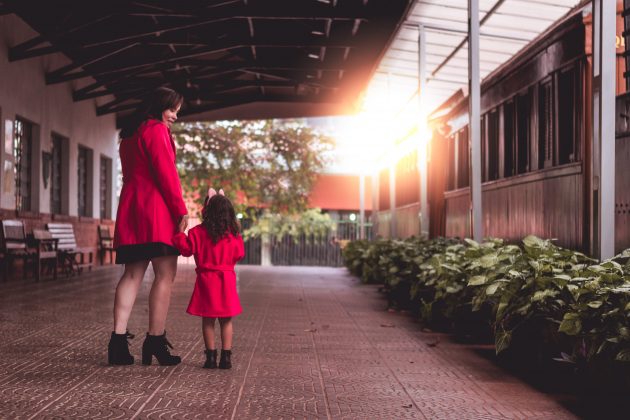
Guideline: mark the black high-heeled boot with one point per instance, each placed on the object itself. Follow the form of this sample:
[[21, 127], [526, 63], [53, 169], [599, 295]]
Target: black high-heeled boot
[[226, 359], [211, 359], [157, 345], [118, 349]]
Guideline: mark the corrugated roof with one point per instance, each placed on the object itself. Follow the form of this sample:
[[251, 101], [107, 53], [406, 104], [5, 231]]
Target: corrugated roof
[[506, 26]]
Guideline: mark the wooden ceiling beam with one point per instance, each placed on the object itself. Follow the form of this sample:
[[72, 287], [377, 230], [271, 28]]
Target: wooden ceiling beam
[[68, 72]]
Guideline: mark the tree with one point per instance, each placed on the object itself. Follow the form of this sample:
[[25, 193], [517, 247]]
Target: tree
[[260, 164]]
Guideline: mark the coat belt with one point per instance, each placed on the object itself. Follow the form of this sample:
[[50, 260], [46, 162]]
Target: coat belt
[[214, 268]]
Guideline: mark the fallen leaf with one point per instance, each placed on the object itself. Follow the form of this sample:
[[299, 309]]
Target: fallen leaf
[[388, 325], [434, 343], [407, 405], [311, 330]]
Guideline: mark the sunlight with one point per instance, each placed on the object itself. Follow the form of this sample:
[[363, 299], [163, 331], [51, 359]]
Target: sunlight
[[390, 125]]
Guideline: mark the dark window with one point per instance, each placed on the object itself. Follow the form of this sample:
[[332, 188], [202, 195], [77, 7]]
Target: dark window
[[383, 188], [566, 117], [83, 181], [508, 139], [545, 125], [105, 182], [451, 171], [56, 183], [407, 179], [493, 145], [523, 121], [484, 148], [462, 159], [22, 153]]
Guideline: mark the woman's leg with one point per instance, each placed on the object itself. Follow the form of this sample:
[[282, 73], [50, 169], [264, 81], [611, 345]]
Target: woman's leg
[[126, 293], [165, 269], [226, 333], [207, 327]]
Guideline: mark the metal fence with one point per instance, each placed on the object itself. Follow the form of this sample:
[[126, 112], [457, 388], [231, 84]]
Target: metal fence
[[313, 251]]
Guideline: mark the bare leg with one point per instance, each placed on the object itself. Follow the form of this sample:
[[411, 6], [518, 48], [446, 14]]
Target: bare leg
[[126, 293], [226, 333], [207, 326], [165, 269]]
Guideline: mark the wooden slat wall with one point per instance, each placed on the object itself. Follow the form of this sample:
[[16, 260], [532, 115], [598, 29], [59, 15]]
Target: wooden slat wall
[[622, 194], [407, 220], [457, 210], [548, 204], [383, 226]]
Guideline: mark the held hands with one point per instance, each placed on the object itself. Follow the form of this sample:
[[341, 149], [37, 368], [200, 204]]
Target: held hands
[[183, 223]]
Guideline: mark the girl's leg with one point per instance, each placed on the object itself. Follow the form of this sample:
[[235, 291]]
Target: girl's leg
[[165, 269], [226, 333], [126, 293], [207, 327]]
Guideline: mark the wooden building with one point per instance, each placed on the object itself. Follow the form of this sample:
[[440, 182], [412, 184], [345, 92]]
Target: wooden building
[[536, 151]]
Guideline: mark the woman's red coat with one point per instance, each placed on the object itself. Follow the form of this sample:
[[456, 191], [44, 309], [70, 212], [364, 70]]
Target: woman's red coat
[[151, 202]]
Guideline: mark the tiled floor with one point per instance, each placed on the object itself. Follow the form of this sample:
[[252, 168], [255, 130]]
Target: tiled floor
[[311, 343]]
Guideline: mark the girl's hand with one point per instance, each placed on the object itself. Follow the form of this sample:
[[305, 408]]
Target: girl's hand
[[183, 223]]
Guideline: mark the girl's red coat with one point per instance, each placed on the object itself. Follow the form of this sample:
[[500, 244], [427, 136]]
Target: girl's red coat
[[151, 200]]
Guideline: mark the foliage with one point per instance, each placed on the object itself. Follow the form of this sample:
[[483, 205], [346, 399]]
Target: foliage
[[312, 223], [267, 164], [558, 301]]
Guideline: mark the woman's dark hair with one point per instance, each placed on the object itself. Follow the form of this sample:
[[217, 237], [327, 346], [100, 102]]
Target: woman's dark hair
[[153, 106], [219, 218]]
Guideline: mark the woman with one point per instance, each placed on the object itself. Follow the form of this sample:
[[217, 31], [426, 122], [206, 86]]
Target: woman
[[149, 211]]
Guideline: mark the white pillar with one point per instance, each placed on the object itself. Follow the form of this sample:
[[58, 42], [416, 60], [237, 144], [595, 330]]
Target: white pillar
[[422, 149], [375, 209], [392, 201], [474, 115], [604, 76], [361, 206]]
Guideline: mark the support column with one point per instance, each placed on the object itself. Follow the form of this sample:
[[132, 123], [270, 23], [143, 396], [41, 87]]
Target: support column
[[375, 209], [392, 202], [361, 206], [604, 77], [474, 115], [423, 146]]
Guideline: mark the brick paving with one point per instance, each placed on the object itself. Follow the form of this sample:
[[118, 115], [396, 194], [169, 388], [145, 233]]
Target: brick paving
[[311, 343]]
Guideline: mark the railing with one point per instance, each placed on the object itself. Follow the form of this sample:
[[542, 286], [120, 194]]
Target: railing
[[313, 251]]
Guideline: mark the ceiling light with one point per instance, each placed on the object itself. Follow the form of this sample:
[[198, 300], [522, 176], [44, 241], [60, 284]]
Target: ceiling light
[[319, 33], [314, 56]]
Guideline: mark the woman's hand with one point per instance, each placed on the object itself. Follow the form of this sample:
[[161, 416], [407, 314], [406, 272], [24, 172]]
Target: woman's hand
[[183, 223]]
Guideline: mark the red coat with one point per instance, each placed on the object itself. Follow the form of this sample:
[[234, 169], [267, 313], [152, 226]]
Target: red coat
[[151, 200], [215, 294]]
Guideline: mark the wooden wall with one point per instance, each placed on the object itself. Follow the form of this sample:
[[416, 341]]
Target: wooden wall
[[549, 204], [622, 194]]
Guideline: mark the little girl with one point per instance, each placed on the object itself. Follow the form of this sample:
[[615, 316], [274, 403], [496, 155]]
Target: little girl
[[217, 246]]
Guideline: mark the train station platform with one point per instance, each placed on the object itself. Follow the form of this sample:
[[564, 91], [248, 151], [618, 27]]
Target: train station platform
[[311, 343]]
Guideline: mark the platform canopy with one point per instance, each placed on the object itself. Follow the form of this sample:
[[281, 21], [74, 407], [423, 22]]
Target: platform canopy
[[230, 58], [506, 26]]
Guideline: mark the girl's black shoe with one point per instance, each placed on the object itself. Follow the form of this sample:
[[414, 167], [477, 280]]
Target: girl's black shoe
[[157, 345], [211, 359], [226, 359], [118, 349]]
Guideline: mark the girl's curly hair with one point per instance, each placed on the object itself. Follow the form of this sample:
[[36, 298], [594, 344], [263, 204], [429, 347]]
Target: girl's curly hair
[[219, 218]]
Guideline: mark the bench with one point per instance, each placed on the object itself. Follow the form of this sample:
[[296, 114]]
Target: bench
[[68, 248], [14, 245], [105, 243], [46, 250]]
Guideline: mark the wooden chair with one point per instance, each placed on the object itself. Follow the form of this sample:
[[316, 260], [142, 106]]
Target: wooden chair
[[69, 250], [14, 245], [105, 243], [47, 250]]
